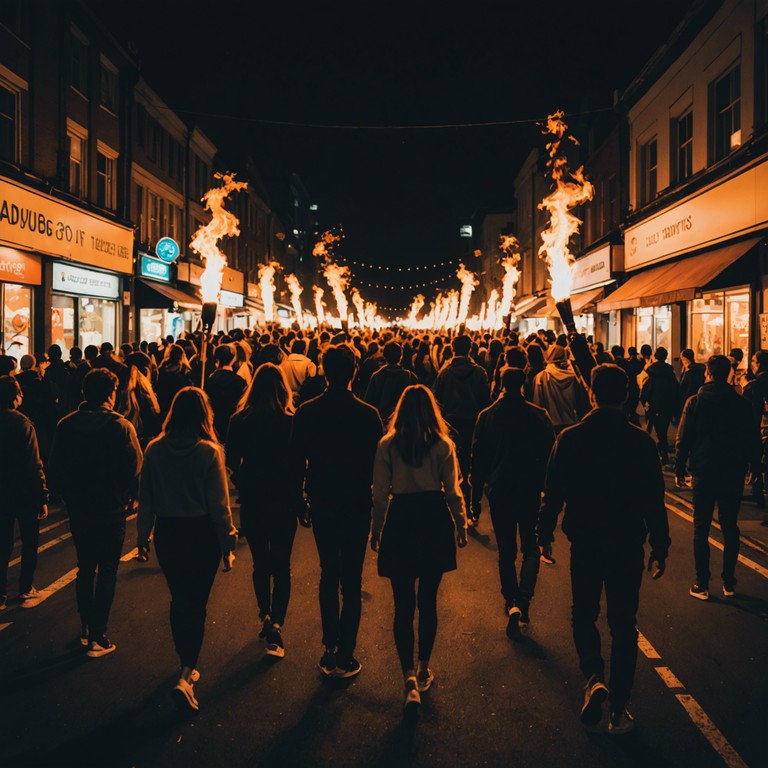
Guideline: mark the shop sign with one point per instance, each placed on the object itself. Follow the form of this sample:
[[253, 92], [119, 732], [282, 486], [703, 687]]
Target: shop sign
[[167, 250], [232, 279], [41, 223], [154, 268], [84, 282], [592, 269], [231, 299], [19, 267], [254, 291]]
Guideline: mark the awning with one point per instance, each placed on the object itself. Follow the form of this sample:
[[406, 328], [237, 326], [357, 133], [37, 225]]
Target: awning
[[529, 304], [254, 303], [679, 281], [545, 309], [152, 294], [581, 302]]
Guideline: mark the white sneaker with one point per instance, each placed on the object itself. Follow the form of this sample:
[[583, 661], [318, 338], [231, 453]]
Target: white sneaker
[[621, 722], [184, 696], [412, 697]]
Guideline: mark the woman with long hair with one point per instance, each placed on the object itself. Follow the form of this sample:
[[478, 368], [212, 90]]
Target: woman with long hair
[[413, 532], [174, 373], [184, 497], [140, 405], [256, 451]]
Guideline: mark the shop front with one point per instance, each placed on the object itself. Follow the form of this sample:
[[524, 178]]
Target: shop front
[[20, 277], [530, 314], [231, 303]]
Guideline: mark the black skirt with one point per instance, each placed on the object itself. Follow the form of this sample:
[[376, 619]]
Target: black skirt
[[418, 537]]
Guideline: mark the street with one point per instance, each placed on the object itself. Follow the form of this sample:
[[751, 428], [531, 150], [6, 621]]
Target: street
[[700, 696]]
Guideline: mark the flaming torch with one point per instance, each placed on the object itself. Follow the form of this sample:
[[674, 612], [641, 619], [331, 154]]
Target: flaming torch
[[338, 278], [295, 288], [319, 311], [468, 284], [509, 245], [204, 242], [267, 286]]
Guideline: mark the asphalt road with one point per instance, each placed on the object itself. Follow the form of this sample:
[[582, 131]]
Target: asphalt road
[[700, 697]]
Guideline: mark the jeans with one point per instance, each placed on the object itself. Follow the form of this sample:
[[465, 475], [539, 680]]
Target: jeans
[[725, 491], [341, 537], [405, 597], [29, 530], [98, 540], [660, 422], [595, 564], [508, 518], [189, 554], [270, 533]]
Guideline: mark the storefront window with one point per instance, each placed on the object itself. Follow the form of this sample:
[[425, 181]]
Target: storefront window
[[17, 303], [63, 322], [159, 323], [654, 327], [97, 322], [719, 322], [585, 324]]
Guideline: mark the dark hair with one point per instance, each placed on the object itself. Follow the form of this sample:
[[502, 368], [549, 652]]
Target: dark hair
[[91, 352], [610, 384], [268, 391], [54, 352], [536, 358], [461, 345], [516, 357], [719, 368], [9, 391], [7, 364], [632, 351], [190, 414], [75, 354], [761, 358], [512, 379], [98, 385], [687, 354], [646, 350], [299, 346], [417, 424], [339, 365], [393, 352], [617, 350], [661, 353], [737, 353], [224, 354]]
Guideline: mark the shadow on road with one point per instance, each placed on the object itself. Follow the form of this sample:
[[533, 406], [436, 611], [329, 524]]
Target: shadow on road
[[43, 671], [631, 748], [482, 538]]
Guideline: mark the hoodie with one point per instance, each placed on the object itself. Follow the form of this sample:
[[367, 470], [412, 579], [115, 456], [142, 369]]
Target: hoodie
[[661, 390], [559, 392], [385, 388], [184, 477], [691, 380], [462, 389], [95, 460]]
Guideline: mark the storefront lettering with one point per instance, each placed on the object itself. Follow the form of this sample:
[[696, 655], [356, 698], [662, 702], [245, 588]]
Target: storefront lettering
[[35, 221], [672, 230], [15, 268]]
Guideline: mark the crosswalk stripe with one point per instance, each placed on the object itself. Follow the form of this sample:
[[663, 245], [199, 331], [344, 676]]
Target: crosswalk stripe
[[721, 745]]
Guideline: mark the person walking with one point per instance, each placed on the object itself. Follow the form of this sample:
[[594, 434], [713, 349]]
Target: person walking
[[333, 445], [691, 378], [718, 439], [184, 498], [389, 382], [756, 391], [96, 437], [174, 373], [25, 494], [140, 405], [607, 529], [559, 391], [660, 395], [257, 444], [297, 368], [510, 448], [224, 388], [418, 508], [38, 404]]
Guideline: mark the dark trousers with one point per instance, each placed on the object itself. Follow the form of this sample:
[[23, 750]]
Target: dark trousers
[[659, 423], [341, 537], [725, 491], [189, 554], [99, 544], [509, 519], [269, 532], [29, 530], [619, 569], [406, 599]]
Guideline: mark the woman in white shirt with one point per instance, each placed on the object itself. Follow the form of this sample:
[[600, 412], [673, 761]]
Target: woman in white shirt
[[417, 508]]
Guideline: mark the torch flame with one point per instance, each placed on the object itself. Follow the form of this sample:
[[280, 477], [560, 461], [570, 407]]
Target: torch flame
[[338, 278], [222, 224], [509, 245], [468, 284], [418, 303], [267, 284], [319, 311], [359, 304], [324, 246], [563, 224], [295, 288]]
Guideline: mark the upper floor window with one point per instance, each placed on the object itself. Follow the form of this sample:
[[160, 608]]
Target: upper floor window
[[106, 186], [611, 203], [682, 147], [77, 138], [201, 178], [649, 160], [725, 114], [14, 15], [109, 86], [761, 82], [79, 62], [9, 124]]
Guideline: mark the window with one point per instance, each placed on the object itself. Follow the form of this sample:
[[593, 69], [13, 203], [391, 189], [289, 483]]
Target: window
[[78, 159], [9, 122], [79, 62], [682, 147], [14, 15], [761, 81], [174, 222], [109, 86], [155, 216], [610, 204], [725, 114], [718, 322], [201, 178], [106, 163], [654, 326], [648, 171]]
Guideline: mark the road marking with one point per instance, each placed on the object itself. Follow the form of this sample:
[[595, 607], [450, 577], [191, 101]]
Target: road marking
[[646, 647], [729, 755], [51, 589], [54, 525], [744, 560], [5, 626], [129, 555], [669, 677]]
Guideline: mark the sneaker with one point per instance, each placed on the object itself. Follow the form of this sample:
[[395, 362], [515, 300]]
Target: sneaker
[[29, 594], [525, 620], [595, 693], [620, 721], [100, 647], [425, 683], [350, 668], [729, 588], [275, 645], [328, 662], [513, 623], [266, 628], [184, 696], [3, 602], [412, 697], [699, 592], [84, 636]]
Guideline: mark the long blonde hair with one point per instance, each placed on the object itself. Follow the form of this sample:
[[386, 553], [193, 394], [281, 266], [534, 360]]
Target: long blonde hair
[[267, 392], [190, 415], [417, 424], [137, 384]]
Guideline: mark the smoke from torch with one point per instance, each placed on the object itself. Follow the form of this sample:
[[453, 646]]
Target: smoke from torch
[[319, 311], [468, 284], [222, 224], [267, 284], [562, 224], [295, 288]]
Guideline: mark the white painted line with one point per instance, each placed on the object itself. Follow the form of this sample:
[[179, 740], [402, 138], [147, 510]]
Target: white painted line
[[744, 560], [669, 677], [51, 589], [646, 647], [54, 525], [43, 547], [5, 626], [129, 555], [729, 755]]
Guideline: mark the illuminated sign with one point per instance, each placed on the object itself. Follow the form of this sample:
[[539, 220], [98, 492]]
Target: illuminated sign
[[231, 299], [84, 282], [167, 250], [156, 269], [19, 267], [465, 230]]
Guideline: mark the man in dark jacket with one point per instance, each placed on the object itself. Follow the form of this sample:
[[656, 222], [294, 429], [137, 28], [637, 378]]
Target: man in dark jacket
[[387, 383], [462, 389], [95, 464], [718, 438], [333, 447], [607, 528], [630, 405], [225, 388], [39, 403], [756, 391], [57, 377], [691, 378], [660, 395], [511, 444], [25, 495]]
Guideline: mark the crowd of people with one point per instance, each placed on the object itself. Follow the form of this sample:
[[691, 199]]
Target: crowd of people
[[388, 439]]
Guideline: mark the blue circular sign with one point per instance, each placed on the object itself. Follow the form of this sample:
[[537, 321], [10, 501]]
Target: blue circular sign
[[167, 250]]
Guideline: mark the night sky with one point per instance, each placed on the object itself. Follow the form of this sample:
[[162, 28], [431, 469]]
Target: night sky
[[240, 68]]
